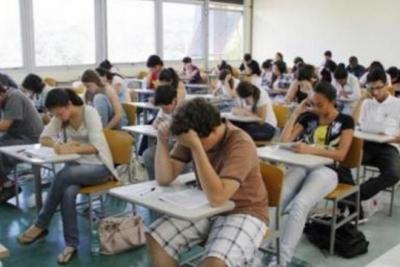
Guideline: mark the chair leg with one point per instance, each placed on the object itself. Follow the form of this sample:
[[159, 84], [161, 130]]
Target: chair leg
[[90, 215], [16, 187], [393, 190], [103, 211], [278, 250], [333, 229]]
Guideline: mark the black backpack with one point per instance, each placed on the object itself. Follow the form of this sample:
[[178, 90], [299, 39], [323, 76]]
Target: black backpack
[[349, 242]]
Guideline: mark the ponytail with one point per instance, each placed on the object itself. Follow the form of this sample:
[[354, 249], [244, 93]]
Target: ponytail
[[62, 97]]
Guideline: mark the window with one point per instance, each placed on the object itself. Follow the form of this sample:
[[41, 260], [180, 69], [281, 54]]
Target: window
[[225, 34], [183, 33], [64, 32], [131, 30], [10, 35]]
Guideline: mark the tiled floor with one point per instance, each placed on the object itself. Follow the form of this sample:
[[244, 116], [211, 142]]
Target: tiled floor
[[382, 231]]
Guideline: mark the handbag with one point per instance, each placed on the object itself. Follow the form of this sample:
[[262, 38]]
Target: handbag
[[118, 234]]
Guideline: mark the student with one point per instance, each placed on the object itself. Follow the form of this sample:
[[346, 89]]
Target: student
[[190, 71], [381, 109], [20, 124], [323, 131], [155, 64], [81, 132], [166, 98], [249, 66], [116, 81], [297, 63], [279, 57], [328, 62], [301, 88], [105, 100], [281, 80], [266, 75], [169, 76], [394, 74], [7, 81], [254, 102], [106, 64], [37, 89], [355, 68], [226, 85], [372, 66], [347, 88], [227, 168]]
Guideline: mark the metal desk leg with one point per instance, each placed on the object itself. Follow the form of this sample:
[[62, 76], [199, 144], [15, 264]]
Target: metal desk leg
[[38, 186], [146, 116]]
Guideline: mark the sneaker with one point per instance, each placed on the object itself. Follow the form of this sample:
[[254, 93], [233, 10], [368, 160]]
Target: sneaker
[[7, 193]]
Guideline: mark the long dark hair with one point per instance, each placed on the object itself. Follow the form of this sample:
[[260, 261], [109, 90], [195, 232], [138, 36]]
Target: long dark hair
[[223, 74], [246, 89], [62, 97], [102, 72], [169, 75]]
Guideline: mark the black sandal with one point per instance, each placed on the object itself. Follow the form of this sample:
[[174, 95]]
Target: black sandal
[[31, 240]]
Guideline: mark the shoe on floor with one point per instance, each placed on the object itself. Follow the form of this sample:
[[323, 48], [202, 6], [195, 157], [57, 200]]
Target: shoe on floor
[[7, 193]]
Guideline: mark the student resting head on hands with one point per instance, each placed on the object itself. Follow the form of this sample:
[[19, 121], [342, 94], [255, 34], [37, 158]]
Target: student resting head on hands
[[20, 124], [319, 129], [168, 76], [227, 168], [254, 102], [105, 100], [74, 128]]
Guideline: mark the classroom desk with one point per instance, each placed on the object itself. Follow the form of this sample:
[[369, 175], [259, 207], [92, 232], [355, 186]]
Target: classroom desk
[[146, 106], [232, 117], [151, 200], [144, 91], [197, 87], [276, 154], [389, 259], [376, 138], [4, 253], [148, 130], [208, 97], [37, 163]]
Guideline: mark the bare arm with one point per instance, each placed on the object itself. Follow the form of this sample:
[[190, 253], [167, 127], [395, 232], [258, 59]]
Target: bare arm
[[5, 125], [117, 107]]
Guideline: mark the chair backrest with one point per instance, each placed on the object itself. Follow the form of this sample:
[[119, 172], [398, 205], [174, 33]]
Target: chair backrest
[[130, 111], [142, 74], [391, 90], [50, 81], [236, 73], [273, 181], [120, 144], [354, 156], [80, 90], [282, 115]]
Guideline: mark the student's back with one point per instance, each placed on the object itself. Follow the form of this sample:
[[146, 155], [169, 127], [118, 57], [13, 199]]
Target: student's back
[[27, 123]]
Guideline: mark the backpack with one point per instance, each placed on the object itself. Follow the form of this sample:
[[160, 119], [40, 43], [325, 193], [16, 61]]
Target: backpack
[[349, 242]]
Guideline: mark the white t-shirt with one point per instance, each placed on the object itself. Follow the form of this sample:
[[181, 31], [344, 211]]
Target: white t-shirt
[[385, 115], [352, 88], [164, 117], [264, 100], [123, 94]]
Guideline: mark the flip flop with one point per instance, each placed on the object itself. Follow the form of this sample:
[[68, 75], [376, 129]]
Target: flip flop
[[20, 238], [66, 256]]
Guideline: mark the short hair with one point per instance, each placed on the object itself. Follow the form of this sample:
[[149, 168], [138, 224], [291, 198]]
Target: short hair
[[326, 89], [298, 60], [61, 97], [376, 64], [281, 66], [153, 61], [187, 60], [340, 72], [34, 83], [353, 60], [375, 75], [247, 57], [328, 53], [164, 95], [306, 72], [197, 115], [393, 72], [279, 54], [3, 89], [267, 64], [106, 64]]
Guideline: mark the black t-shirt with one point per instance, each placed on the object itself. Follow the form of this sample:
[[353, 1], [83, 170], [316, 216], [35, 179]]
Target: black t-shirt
[[254, 66], [323, 135]]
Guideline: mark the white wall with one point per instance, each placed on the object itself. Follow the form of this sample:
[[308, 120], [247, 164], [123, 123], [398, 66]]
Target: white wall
[[365, 28]]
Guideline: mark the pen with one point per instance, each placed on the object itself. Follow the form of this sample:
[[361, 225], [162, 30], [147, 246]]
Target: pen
[[148, 192]]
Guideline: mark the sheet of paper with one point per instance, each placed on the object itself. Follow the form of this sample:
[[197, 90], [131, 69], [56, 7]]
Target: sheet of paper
[[187, 199], [41, 153]]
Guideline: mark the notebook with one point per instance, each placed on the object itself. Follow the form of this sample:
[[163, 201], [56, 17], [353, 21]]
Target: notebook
[[187, 199], [41, 153]]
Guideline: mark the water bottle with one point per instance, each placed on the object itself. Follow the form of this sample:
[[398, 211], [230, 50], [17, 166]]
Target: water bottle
[[94, 240]]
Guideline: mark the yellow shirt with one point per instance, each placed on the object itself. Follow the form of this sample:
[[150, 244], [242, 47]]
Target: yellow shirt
[[320, 136]]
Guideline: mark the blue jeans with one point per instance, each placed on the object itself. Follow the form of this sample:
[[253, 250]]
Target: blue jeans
[[64, 190]]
